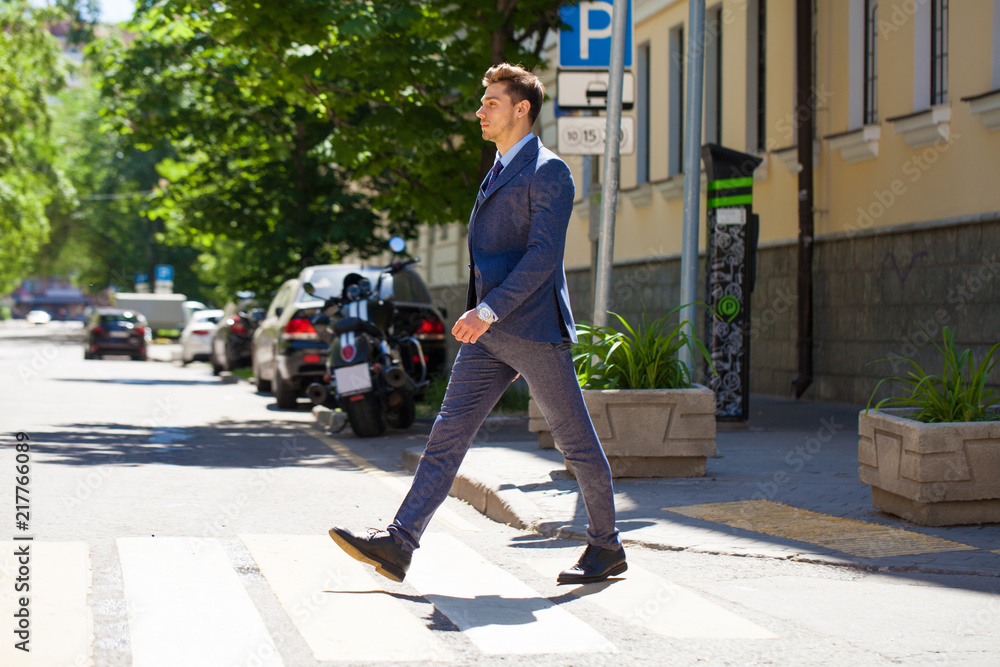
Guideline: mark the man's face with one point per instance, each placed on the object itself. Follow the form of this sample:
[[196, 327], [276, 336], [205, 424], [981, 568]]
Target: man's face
[[498, 115]]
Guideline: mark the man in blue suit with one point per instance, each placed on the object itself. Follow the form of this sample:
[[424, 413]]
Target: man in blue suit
[[518, 321]]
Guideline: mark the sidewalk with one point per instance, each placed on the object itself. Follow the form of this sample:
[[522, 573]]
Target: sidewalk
[[791, 455]]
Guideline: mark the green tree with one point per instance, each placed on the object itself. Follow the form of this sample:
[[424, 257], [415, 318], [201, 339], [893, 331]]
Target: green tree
[[30, 71], [302, 128]]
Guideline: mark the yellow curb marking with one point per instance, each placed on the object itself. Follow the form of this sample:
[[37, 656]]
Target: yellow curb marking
[[867, 540]]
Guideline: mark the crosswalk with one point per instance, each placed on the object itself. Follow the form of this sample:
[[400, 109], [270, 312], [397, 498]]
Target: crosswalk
[[188, 606]]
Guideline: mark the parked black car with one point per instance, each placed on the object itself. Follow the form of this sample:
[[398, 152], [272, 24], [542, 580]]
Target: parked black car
[[114, 331], [231, 340], [287, 354]]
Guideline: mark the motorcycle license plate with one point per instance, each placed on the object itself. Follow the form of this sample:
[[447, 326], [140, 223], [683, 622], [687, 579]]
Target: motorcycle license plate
[[352, 379]]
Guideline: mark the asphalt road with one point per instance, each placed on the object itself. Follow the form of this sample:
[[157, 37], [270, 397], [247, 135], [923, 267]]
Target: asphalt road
[[180, 520]]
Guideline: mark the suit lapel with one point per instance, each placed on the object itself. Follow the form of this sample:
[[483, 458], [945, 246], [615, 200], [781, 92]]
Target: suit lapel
[[524, 157]]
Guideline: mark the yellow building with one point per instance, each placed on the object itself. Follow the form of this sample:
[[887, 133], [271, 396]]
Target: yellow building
[[906, 179]]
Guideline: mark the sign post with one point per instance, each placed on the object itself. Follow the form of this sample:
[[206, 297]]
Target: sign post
[[599, 37], [692, 171], [609, 195]]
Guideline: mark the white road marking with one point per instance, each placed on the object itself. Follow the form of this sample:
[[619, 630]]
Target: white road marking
[[393, 482], [645, 599], [187, 606], [340, 610], [59, 620], [498, 612]]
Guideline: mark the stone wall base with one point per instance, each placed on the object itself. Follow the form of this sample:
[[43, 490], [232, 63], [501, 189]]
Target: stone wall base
[[944, 513]]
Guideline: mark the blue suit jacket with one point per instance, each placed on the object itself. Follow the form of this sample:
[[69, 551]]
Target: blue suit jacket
[[517, 239]]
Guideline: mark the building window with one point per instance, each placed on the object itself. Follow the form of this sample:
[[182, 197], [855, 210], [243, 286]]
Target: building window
[[939, 51], [761, 61], [642, 115], [713, 76], [675, 160], [871, 62], [756, 69]]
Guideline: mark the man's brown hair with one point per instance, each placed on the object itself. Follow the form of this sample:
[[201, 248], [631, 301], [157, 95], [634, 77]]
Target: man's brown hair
[[521, 84]]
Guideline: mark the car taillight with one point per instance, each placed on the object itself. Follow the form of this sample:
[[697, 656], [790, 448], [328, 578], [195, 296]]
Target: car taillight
[[201, 332], [99, 331], [141, 331], [430, 327], [300, 328], [237, 326]]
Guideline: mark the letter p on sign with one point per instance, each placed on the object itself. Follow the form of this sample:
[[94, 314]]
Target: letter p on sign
[[587, 41]]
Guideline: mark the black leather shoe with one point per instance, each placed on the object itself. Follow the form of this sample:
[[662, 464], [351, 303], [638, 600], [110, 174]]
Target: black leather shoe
[[378, 549], [596, 564]]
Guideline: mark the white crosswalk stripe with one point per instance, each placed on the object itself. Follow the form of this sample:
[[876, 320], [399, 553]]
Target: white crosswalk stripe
[[644, 599], [59, 622], [498, 612], [187, 606], [337, 606]]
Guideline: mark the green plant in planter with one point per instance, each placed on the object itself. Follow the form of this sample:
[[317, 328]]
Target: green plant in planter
[[642, 357], [958, 394]]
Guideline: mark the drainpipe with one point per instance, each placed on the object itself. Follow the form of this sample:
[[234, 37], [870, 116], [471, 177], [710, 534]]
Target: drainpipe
[[805, 110]]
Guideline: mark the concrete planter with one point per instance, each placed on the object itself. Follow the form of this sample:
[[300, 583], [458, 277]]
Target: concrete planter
[[647, 432], [931, 474]]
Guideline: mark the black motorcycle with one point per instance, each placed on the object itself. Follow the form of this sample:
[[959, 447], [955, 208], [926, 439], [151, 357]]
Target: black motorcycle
[[372, 375]]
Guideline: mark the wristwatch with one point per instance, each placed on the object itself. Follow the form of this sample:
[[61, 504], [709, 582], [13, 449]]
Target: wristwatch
[[485, 314]]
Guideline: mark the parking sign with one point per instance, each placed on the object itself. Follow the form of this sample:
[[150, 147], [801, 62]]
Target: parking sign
[[587, 41]]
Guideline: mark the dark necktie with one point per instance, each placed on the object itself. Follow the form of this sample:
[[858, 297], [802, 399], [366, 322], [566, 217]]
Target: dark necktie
[[494, 172]]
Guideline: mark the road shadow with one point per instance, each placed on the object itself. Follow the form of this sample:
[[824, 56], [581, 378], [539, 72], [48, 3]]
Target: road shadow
[[225, 444]]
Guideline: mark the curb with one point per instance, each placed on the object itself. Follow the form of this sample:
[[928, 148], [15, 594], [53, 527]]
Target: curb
[[512, 507], [508, 506], [329, 419]]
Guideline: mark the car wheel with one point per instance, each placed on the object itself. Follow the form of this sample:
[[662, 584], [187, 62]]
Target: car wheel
[[263, 386], [87, 355], [365, 416], [284, 392], [216, 366], [139, 357]]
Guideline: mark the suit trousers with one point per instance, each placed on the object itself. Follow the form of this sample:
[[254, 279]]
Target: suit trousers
[[481, 373]]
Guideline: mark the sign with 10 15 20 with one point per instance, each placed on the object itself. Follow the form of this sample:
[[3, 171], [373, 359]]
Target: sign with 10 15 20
[[584, 135]]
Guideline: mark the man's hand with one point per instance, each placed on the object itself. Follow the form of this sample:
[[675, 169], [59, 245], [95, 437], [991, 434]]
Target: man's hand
[[469, 327]]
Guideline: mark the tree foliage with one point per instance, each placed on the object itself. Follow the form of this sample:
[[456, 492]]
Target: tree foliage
[[301, 131], [30, 71]]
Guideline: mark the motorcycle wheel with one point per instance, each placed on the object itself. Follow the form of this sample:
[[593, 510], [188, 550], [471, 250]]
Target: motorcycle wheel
[[284, 392], [365, 417], [403, 415]]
